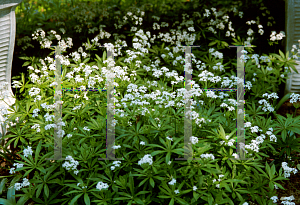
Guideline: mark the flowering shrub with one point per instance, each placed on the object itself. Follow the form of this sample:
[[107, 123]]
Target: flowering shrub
[[149, 128]]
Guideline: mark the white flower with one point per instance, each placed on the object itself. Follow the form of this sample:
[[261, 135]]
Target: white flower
[[194, 140], [211, 50], [169, 138], [250, 32], [86, 128], [101, 185], [25, 182], [254, 129], [274, 198], [116, 147], [208, 156], [172, 182], [27, 151], [294, 98], [18, 186], [72, 165], [235, 155], [146, 159], [18, 165], [241, 14], [231, 108], [191, 29], [207, 13]]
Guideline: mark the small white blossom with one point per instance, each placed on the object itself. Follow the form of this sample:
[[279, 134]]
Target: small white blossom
[[172, 182], [102, 185]]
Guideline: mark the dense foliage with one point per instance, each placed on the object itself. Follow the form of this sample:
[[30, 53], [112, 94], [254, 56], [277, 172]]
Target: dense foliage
[[149, 106]]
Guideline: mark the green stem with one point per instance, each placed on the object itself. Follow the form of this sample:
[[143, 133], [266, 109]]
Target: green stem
[[175, 126], [295, 112]]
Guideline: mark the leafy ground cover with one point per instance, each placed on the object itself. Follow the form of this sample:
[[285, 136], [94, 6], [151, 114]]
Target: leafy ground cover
[[149, 107]]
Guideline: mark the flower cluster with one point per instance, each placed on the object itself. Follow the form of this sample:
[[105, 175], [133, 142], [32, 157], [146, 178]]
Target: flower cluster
[[294, 98], [146, 159], [218, 185], [19, 186], [73, 165], [116, 163], [27, 151], [102, 185], [288, 200], [18, 166], [278, 36], [229, 143], [288, 170], [260, 139], [267, 105]]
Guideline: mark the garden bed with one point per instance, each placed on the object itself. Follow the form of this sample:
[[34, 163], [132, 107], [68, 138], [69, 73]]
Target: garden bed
[[150, 142]]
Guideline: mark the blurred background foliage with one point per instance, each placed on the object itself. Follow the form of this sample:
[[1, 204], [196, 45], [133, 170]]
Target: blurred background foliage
[[31, 14]]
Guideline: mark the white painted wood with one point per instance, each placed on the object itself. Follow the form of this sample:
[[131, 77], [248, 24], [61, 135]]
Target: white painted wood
[[7, 43], [293, 82], [292, 23]]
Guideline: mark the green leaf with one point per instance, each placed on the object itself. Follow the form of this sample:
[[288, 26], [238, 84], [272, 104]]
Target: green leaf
[[182, 201], [222, 184], [163, 45], [26, 63], [142, 182], [168, 157], [280, 186], [298, 166], [268, 169], [75, 199], [282, 54], [210, 199], [6, 202], [152, 182], [38, 151], [46, 190], [2, 185], [273, 170], [86, 60], [212, 43], [235, 180], [104, 56], [153, 51], [24, 58], [39, 190], [283, 135], [271, 185], [87, 199], [10, 195]]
